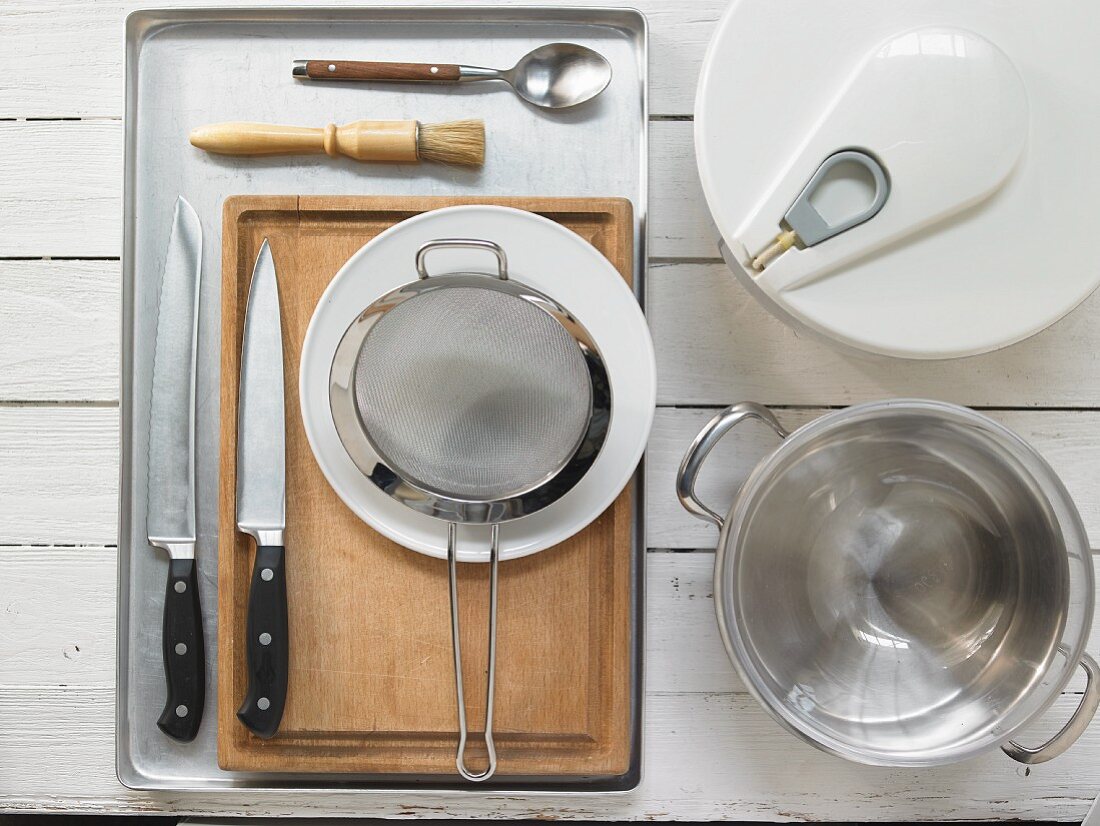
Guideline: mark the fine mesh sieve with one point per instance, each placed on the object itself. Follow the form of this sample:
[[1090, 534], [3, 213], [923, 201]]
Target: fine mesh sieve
[[472, 393], [474, 399]]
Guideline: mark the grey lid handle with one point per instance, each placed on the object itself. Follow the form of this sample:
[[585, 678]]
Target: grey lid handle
[[809, 225]]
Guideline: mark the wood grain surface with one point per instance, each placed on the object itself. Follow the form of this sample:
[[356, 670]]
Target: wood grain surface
[[371, 686]]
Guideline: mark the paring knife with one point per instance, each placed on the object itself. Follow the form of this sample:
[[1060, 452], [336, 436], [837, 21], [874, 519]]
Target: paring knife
[[261, 498], [170, 520]]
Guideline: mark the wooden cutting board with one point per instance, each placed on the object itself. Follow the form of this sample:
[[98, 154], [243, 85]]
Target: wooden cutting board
[[371, 685]]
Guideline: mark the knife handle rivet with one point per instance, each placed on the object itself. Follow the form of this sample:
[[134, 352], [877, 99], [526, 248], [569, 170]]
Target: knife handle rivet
[[263, 704], [180, 586], [332, 67], [267, 574], [181, 648], [181, 711], [265, 638]]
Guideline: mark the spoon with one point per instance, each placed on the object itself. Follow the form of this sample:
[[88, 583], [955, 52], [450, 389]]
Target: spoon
[[554, 76]]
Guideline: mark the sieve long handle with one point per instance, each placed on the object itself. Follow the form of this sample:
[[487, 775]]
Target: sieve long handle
[[452, 559]]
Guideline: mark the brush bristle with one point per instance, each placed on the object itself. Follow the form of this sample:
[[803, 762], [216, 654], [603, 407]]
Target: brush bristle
[[459, 142]]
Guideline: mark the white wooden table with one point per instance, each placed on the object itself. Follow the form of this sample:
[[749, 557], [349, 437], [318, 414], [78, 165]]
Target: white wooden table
[[710, 751]]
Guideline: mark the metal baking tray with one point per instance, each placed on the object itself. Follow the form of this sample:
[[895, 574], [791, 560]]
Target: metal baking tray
[[187, 67]]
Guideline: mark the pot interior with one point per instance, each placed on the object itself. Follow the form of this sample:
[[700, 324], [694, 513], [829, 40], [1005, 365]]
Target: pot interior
[[900, 586]]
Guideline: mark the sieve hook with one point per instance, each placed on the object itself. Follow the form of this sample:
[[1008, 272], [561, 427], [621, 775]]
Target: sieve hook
[[452, 559], [465, 243]]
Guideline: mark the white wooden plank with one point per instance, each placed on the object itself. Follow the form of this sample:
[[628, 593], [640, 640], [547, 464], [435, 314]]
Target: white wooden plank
[[61, 464], [59, 616], [62, 187], [684, 653], [680, 225], [42, 645], [714, 341], [59, 341], [716, 344], [60, 479], [1067, 439], [709, 757], [42, 36], [59, 330]]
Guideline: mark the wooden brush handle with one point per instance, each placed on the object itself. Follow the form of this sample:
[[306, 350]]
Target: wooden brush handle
[[364, 140], [366, 70]]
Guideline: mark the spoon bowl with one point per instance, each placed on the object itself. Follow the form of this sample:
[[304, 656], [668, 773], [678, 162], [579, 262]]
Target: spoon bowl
[[559, 75]]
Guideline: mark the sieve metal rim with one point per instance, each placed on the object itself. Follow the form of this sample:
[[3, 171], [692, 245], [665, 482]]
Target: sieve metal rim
[[381, 472], [418, 481]]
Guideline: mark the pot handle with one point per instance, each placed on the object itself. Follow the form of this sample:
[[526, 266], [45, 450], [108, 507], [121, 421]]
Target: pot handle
[[708, 437], [1076, 726]]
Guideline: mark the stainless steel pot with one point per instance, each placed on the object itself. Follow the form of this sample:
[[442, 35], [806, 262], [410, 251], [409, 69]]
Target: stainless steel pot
[[902, 583]]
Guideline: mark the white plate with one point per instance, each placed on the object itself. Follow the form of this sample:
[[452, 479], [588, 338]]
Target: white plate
[[544, 255]]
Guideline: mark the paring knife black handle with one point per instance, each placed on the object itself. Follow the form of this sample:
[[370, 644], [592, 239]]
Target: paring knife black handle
[[184, 657], [268, 644]]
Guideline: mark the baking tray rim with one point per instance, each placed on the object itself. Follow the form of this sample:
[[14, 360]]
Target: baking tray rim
[[140, 25]]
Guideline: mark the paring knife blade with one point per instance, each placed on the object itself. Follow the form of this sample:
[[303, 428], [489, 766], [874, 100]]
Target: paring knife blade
[[170, 518], [261, 498]]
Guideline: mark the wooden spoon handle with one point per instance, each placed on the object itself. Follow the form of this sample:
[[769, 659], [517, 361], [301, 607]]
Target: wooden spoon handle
[[366, 70]]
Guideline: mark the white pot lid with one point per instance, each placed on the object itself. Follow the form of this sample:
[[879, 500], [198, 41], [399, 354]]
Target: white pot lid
[[977, 126]]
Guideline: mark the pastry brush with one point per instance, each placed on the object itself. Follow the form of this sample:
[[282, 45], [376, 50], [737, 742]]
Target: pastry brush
[[399, 141]]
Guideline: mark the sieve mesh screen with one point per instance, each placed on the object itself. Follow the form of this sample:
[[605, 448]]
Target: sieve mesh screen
[[472, 393]]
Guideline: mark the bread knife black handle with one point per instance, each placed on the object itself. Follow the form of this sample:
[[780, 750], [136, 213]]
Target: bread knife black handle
[[184, 656], [268, 644]]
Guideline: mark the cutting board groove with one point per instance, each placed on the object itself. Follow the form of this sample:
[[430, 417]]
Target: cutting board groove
[[371, 688]]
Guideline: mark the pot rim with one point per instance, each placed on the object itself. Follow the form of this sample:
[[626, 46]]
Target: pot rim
[[737, 651]]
